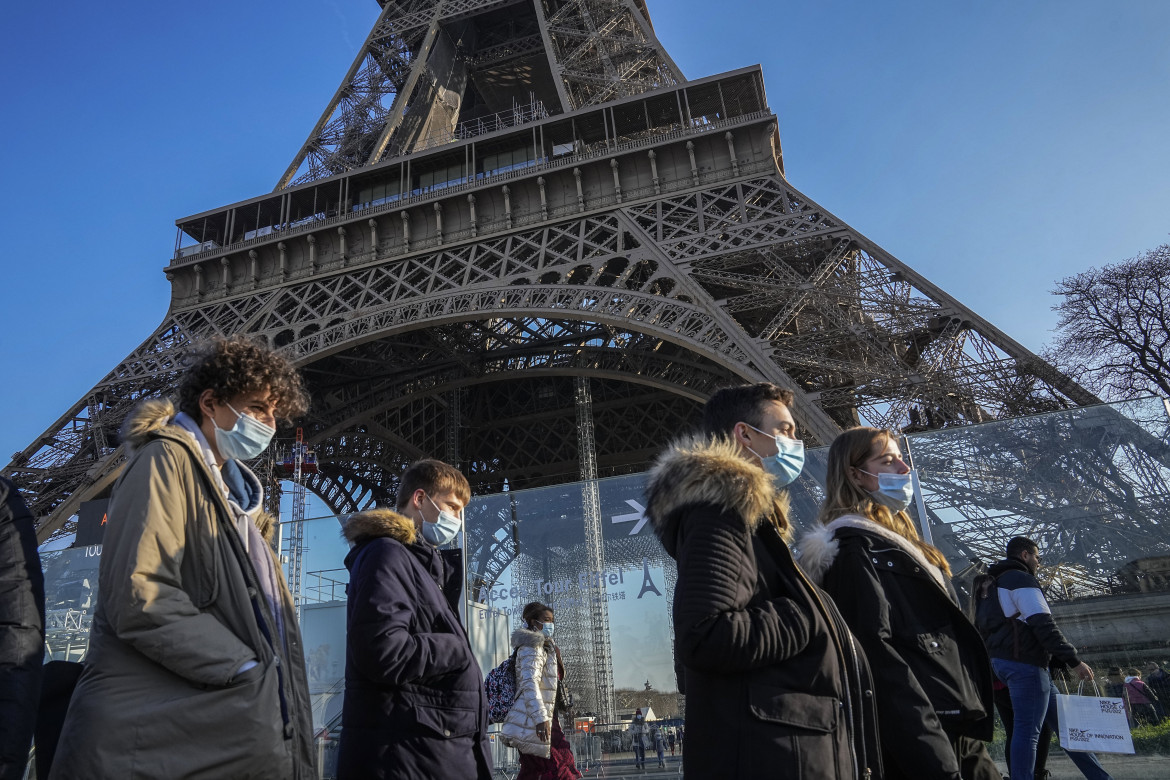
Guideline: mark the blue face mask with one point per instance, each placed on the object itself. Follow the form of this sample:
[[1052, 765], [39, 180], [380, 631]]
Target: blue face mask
[[245, 440], [785, 466], [895, 491], [444, 529], [548, 629]]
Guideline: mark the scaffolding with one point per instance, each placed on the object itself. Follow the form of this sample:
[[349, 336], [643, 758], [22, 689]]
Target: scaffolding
[[294, 546], [591, 510]]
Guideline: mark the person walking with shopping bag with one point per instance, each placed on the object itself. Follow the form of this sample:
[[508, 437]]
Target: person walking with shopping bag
[[531, 725], [1022, 646]]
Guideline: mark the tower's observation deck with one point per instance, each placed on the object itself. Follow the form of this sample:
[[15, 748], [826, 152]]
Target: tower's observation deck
[[510, 150]]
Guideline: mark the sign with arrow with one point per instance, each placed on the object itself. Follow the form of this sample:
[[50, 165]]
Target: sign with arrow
[[638, 516]]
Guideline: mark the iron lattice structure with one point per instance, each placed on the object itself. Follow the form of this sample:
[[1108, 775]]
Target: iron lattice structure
[[507, 201]]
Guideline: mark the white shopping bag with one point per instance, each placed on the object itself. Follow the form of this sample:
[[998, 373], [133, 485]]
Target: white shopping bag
[[1095, 723]]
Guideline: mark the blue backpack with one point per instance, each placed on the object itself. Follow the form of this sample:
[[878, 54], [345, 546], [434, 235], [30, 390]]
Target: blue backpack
[[500, 685]]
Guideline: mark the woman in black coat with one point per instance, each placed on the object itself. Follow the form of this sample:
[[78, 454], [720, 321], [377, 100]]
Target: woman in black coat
[[775, 686], [931, 670]]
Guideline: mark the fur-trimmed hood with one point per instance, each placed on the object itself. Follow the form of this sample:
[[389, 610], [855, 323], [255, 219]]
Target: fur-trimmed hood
[[149, 417], [704, 470], [526, 637], [819, 547], [379, 523], [156, 416]]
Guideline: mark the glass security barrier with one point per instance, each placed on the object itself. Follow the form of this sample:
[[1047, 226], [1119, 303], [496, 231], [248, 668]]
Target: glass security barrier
[[1090, 485]]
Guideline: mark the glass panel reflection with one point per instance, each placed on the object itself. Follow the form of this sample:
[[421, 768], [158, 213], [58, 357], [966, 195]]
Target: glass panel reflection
[[1091, 486]]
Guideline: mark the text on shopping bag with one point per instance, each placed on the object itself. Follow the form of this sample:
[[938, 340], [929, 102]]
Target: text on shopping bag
[[1093, 723]]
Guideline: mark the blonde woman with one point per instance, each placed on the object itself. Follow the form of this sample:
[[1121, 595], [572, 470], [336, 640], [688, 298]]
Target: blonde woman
[[932, 676]]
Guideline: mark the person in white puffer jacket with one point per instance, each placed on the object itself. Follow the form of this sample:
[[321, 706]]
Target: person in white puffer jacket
[[531, 725]]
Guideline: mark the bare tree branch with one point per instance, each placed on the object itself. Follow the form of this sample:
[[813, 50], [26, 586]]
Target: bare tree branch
[[1114, 329]]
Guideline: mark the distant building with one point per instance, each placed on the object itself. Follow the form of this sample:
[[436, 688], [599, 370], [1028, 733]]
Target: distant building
[[627, 714]]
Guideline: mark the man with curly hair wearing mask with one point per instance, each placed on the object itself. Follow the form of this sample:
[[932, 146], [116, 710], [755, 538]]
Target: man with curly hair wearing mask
[[195, 667]]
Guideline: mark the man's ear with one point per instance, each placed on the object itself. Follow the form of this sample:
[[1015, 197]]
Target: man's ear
[[205, 402], [417, 498], [739, 433]]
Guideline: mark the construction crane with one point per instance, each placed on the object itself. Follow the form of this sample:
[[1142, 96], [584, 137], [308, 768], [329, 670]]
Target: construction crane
[[300, 461]]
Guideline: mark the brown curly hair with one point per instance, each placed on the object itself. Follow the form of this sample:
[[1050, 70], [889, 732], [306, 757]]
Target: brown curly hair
[[232, 366]]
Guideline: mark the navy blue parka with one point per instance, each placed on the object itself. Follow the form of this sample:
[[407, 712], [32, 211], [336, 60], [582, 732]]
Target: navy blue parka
[[414, 699]]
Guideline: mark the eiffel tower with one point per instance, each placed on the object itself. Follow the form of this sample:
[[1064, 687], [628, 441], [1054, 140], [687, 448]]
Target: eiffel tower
[[519, 239]]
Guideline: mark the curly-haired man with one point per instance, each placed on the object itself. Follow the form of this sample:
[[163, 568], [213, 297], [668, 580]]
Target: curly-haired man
[[195, 666]]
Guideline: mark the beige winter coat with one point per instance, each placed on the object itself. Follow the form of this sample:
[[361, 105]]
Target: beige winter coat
[[176, 618], [536, 692]]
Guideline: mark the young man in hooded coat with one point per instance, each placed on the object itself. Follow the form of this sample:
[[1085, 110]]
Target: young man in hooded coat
[[776, 685], [196, 667], [415, 706]]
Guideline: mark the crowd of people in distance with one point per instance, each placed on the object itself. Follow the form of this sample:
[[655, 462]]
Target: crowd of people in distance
[[842, 655]]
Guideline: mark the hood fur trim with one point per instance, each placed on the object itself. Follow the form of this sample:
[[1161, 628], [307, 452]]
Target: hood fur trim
[[819, 547], [816, 552], [377, 524], [702, 470], [526, 637], [154, 416], [149, 417], [266, 524]]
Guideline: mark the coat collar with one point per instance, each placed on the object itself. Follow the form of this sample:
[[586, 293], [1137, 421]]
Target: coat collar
[[526, 637], [377, 524], [149, 418], [704, 470], [156, 418], [819, 547], [1009, 564]]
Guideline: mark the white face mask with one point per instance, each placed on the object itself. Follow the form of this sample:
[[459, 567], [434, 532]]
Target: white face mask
[[444, 529], [895, 491], [245, 440]]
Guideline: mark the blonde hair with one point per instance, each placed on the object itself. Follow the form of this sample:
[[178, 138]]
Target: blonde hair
[[842, 497]]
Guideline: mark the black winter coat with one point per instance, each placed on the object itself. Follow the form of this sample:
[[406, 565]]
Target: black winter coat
[[775, 685], [414, 700], [929, 664], [22, 630], [1030, 635]]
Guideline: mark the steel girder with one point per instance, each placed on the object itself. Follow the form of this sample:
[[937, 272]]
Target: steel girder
[[596, 50], [603, 50], [1089, 485], [689, 277], [745, 278]]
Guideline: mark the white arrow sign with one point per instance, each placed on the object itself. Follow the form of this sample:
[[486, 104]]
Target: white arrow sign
[[639, 515]]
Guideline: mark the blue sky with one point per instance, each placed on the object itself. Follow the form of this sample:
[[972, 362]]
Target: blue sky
[[994, 146]]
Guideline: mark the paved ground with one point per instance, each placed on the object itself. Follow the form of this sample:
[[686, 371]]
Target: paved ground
[[1121, 767], [627, 772]]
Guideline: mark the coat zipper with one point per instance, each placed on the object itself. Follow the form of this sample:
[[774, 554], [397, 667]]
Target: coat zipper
[[859, 769], [865, 770], [254, 595]]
